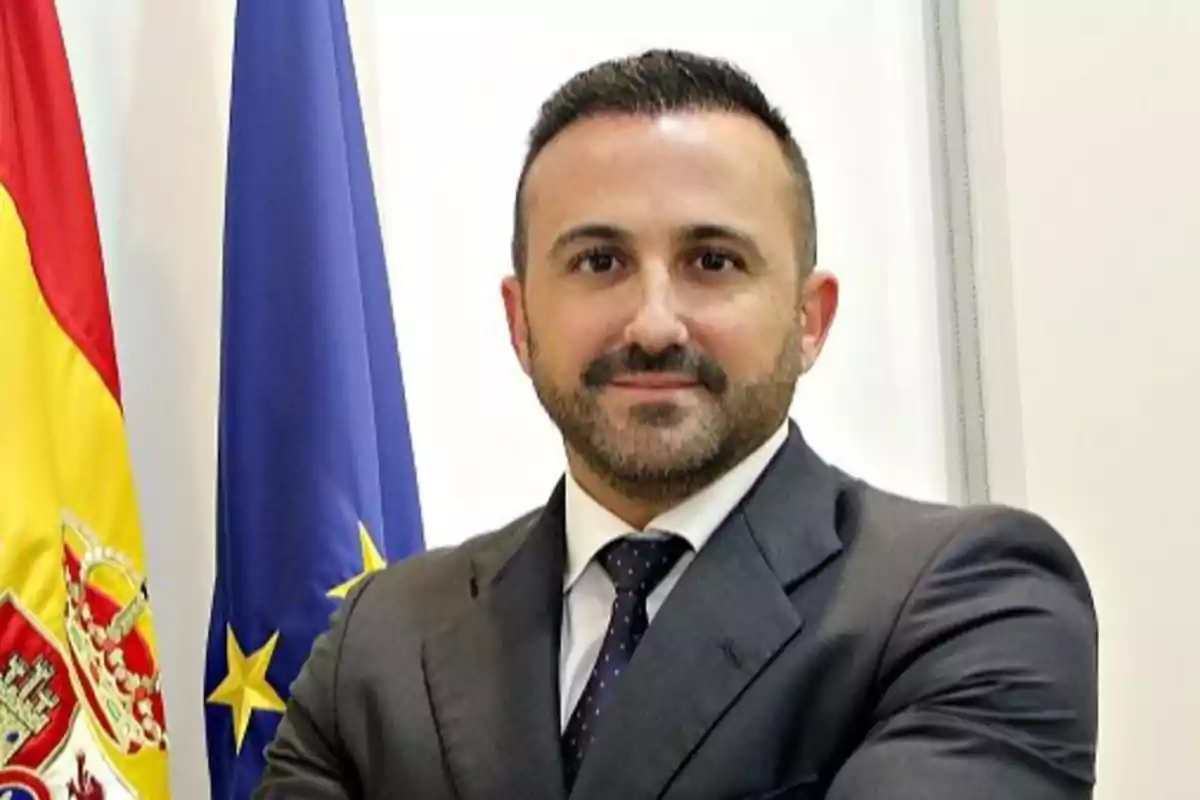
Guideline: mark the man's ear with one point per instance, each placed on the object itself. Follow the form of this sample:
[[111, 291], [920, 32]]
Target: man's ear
[[518, 328], [818, 307]]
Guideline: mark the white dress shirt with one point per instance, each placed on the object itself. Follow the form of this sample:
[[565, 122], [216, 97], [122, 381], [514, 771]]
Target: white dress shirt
[[588, 592]]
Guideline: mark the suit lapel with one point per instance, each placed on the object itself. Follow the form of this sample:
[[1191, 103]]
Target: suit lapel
[[721, 625], [493, 675]]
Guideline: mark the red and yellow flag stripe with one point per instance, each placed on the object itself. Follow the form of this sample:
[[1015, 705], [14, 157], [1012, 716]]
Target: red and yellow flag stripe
[[80, 704]]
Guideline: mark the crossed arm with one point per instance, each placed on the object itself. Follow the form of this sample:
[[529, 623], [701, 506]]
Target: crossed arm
[[989, 681]]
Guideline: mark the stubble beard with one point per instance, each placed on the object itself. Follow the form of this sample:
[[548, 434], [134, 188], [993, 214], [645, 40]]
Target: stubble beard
[[665, 452]]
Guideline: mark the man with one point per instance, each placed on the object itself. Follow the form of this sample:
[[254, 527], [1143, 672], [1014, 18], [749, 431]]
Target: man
[[703, 608]]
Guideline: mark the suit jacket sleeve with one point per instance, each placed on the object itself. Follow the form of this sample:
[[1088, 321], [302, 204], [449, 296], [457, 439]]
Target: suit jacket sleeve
[[306, 760], [987, 688]]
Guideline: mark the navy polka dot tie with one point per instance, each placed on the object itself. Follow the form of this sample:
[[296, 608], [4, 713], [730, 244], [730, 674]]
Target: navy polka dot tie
[[636, 566]]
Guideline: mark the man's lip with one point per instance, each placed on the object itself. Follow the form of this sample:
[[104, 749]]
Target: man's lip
[[655, 382]]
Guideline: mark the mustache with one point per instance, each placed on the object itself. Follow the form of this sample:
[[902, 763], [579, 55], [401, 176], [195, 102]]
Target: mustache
[[674, 359]]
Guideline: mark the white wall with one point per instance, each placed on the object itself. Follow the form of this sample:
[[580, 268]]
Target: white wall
[[446, 122], [1084, 122]]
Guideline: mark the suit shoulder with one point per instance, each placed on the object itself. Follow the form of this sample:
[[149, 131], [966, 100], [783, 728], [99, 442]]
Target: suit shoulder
[[928, 533], [440, 581]]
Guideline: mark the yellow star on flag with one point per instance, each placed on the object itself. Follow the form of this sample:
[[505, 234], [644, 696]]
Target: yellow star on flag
[[372, 562], [246, 689]]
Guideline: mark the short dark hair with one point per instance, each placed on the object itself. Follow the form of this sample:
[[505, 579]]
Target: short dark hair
[[658, 82]]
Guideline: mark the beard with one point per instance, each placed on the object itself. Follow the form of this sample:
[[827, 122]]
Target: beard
[[666, 451]]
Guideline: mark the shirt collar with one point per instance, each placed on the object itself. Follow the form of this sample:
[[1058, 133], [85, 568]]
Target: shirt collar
[[590, 526]]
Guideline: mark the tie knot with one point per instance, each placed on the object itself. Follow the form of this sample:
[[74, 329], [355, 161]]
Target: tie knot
[[637, 565]]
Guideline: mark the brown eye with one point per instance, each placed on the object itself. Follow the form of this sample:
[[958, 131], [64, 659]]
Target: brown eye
[[714, 261], [598, 262]]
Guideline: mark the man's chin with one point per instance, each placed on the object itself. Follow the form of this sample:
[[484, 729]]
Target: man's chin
[[657, 429], [658, 475], [659, 454]]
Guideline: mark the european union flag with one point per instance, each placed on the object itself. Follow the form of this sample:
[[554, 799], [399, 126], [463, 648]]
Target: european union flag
[[316, 485]]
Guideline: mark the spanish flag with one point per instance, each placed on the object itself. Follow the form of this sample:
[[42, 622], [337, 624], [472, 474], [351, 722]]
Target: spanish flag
[[81, 712]]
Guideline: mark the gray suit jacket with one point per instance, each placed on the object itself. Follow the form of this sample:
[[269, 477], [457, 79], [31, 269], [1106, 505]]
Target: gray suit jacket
[[830, 641]]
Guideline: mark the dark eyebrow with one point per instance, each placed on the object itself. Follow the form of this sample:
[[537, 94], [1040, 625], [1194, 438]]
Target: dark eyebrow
[[693, 234], [590, 231]]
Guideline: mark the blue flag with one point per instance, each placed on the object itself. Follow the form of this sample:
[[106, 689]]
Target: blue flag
[[316, 485]]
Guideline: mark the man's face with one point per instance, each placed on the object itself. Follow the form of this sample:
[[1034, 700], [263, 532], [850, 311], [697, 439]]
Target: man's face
[[662, 317]]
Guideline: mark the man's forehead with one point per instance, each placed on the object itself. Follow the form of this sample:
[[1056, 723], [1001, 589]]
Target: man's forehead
[[623, 139], [678, 169]]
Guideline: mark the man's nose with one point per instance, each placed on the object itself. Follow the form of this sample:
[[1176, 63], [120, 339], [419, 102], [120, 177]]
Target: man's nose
[[657, 324]]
